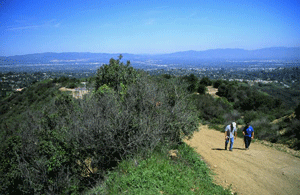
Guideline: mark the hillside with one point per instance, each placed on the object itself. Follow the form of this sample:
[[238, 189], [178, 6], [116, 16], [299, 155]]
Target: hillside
[[53, 143]]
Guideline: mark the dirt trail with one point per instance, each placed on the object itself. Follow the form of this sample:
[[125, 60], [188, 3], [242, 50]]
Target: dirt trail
[[76, 93], [260, 170]]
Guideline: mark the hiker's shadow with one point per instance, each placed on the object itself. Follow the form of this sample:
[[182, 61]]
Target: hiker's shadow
[[232, 148], [239, 148], [218, 149]]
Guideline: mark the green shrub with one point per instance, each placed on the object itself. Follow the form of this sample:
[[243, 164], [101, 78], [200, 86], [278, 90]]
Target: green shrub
[[297, 112], [211, 109], [114, 73], [264, 129], [192, 88], [103, 90], [191, 79], [71, 85], [250, 116], [205, 81], [202, 89], [292, 134], [229, 117]]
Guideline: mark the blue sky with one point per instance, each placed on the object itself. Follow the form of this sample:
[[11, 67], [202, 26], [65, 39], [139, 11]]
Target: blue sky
[[36, 26]]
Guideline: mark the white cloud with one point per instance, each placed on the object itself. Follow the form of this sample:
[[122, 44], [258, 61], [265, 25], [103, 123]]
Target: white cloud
[[24, 27], [57, 25], [150, 21], [46, 24]]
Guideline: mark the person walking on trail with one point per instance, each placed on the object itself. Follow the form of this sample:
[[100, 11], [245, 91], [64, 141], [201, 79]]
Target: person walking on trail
[[230, 134], [248, 132]]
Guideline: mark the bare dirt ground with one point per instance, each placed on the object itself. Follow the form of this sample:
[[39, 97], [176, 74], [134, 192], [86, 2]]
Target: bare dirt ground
[[75, 93], [260, 170], [212, 91]]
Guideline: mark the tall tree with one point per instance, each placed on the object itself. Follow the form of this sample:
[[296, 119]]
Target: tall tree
[[115, 73]]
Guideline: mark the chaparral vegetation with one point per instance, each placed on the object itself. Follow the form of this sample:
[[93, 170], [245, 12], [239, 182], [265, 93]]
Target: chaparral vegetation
[[116, 138]]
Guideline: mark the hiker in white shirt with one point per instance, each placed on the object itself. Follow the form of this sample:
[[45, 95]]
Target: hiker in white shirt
[[230, 134]]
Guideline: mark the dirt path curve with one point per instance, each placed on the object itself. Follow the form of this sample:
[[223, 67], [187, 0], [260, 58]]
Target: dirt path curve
[[260, 170]]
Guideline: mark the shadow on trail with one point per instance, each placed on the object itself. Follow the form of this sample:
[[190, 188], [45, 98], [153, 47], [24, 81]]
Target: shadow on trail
[[227, 149], [218, 149], [239, 148]]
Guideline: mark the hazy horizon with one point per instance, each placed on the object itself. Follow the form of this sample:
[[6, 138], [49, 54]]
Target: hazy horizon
[[118, 53], [146, 27]]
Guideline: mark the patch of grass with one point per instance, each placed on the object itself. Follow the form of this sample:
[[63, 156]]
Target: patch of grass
[[187, 174]]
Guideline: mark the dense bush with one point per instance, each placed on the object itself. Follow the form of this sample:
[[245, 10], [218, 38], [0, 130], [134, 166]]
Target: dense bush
[[246, 98], [69, 144], [250, 116], [205, 81], [114, 73], [192, 82], [202, 89], [191, 79], [264, 129], [210, 109], [33, 97], [292, 134], [192, 88], [297, 112], [233, 115], [217, 83]]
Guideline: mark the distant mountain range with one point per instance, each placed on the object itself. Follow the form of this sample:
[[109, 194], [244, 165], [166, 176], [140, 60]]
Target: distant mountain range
[[278, 53], [266, 53]]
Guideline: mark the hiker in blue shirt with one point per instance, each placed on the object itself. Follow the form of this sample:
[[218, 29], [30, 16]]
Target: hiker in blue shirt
[[230, 134], [248, 132]]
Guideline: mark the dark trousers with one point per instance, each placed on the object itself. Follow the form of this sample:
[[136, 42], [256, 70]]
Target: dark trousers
[[247, 141]]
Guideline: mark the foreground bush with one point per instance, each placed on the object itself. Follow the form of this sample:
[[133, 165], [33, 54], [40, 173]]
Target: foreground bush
[[68, 145]]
